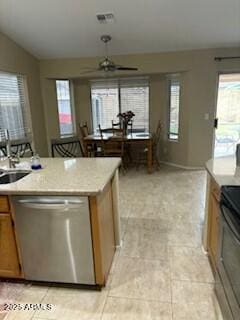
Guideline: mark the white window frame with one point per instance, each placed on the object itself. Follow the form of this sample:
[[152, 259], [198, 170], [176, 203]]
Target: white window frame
[[72, 108], [26, 110], [118, 81], [170, 80]]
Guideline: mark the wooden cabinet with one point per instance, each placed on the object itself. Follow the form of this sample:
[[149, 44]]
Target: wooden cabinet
[[4, 204], [9, 263], [102, 222], [213, 222]]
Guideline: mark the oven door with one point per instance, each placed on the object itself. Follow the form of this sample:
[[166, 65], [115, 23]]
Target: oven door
[[229, 259]]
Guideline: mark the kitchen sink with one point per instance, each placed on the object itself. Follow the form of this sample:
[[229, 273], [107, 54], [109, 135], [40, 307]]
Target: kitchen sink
[[12, 176]]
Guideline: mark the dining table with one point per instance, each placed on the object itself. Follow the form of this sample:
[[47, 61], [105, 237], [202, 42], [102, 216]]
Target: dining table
[[145, 139]]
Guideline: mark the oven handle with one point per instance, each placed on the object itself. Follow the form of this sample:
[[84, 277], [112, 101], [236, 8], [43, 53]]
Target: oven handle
[[229, 224]]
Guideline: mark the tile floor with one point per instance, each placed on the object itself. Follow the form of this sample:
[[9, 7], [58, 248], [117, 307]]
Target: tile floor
[[159, 274]]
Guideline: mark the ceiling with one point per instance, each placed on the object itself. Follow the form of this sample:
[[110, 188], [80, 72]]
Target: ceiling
[[69, 28]]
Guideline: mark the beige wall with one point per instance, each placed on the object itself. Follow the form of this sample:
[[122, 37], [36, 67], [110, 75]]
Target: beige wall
[[16, 60], [199, 78]]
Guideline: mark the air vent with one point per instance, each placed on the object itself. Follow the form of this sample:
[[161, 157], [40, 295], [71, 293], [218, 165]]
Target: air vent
[[105, 17]]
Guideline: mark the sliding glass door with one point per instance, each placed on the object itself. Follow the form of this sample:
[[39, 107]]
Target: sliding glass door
[[228, 115]]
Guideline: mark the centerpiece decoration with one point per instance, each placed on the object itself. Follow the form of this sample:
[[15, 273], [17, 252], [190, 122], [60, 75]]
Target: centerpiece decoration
[[125, 118]]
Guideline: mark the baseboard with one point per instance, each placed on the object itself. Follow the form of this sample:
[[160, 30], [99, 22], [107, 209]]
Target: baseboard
[[180, 166], [119, 246]]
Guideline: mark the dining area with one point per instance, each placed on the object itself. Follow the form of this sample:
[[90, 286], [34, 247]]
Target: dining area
[[121, 139]]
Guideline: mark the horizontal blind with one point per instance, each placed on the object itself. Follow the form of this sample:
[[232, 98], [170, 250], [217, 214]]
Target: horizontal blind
[[105, 103], [174, 104], [13, 106], [134, 96]]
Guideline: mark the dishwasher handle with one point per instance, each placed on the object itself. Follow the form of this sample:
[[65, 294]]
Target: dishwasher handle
[[46, 204]]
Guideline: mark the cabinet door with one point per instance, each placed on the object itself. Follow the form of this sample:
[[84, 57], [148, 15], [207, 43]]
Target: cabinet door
[[214, 230], [9, 263]]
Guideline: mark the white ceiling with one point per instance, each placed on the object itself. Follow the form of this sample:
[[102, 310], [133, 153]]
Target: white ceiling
[[69, 28]]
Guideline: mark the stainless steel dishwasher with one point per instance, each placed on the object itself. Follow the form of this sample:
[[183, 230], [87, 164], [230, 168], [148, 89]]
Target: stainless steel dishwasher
[[55, 238]]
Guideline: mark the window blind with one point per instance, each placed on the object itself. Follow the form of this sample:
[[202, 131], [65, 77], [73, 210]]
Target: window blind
[[174, 104], [13, 106], [134, 96], [110, 97]]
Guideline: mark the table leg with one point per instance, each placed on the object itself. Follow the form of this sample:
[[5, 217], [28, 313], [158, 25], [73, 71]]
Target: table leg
[[150, 160]]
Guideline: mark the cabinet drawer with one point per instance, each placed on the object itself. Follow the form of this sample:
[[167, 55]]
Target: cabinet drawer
[[4, 204]]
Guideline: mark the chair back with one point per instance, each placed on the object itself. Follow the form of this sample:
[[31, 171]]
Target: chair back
[[157, 134], [84, 129], [130, 126], [114, 145], [21, 148], [116, 125], [66, 147]]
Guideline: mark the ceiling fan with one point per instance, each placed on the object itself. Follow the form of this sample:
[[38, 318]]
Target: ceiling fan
[[107, 65]]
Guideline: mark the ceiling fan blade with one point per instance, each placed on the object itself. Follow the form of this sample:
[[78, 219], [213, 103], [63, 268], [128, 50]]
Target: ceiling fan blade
[[126, 68], [89, 71]]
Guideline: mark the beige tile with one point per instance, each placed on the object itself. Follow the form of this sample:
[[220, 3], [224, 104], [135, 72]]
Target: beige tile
[[146, 225], [115, 258], [29, 296], [131, 309], [73, 304], [190, 264], [188, 235], [2, 315], [123, 222], [139, 278], [9, 292], [146, 238], [194, 311], [192, 292]]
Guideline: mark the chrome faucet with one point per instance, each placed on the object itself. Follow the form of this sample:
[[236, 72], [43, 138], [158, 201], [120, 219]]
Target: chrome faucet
[[12, 159]]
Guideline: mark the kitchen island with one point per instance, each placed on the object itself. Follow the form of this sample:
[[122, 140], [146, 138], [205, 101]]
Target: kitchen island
[[95, 180]]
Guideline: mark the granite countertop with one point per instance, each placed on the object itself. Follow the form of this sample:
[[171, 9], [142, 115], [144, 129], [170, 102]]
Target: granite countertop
[[77, 176], [224, 170]]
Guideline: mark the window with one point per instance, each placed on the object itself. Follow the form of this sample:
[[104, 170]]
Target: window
[[65, 112], [134, 96], [174, 104], [14, 114], [105, 103], [114, 96]]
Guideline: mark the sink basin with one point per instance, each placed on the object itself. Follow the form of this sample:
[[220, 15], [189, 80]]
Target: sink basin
[[12, 176]]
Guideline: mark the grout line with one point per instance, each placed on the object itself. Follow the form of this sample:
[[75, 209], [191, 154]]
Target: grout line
[[139, 299], [170, 266], [196, 282], [41, 300]]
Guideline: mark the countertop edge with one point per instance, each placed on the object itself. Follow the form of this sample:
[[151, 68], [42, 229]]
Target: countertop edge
[[68, 192], [224, 170]]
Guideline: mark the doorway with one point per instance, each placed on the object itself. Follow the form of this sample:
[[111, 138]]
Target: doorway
[[227, 134]]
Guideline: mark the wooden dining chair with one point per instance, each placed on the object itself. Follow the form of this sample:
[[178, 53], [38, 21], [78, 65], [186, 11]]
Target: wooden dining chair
[[116, 125], [88, 149], [84, 129], [21, 148], [66, 147], [130, 126], [142, 154], [114, 145]]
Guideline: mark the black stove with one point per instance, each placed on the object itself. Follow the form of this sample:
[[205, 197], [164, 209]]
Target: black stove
[[227, 284], [231, 197]]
